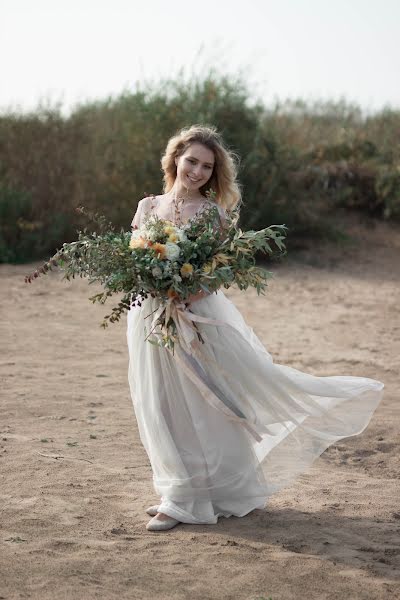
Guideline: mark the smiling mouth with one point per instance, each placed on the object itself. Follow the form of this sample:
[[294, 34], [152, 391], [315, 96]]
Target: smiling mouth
[[193, 180]]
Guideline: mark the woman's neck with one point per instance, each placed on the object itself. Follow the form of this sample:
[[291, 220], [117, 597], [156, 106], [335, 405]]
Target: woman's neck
[[179, 191]]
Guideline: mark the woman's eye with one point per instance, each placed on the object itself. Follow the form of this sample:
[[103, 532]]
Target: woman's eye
[[193, 162]]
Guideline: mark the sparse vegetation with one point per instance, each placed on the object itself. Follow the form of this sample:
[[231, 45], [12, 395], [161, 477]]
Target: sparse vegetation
[[300, 163]]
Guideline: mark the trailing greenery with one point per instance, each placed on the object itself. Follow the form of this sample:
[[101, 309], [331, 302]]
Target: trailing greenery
[[300, 163], [167, 261]]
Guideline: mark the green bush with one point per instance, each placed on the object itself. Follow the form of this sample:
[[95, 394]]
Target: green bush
[[387, 186], [23, 236], [299, 163]]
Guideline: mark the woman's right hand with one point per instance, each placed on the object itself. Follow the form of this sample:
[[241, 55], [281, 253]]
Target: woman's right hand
[[194, 297]]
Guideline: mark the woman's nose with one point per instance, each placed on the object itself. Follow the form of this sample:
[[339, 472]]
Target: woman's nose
[[198, 170]]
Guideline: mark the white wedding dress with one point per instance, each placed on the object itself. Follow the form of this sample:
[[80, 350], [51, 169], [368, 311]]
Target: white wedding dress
[[206, 465]]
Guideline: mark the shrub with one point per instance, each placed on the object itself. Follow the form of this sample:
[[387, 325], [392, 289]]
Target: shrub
[[299, 162]]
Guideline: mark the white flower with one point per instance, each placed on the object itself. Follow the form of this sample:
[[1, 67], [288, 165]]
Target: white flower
[[137, 233], [172, 251], [157, 272], [181, 235], [149, 233], [177, 277]]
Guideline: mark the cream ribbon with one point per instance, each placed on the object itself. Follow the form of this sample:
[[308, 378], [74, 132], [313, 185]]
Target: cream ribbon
[[190, 346]]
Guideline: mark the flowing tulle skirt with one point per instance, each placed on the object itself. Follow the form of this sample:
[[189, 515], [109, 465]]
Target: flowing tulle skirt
[[205, 465]]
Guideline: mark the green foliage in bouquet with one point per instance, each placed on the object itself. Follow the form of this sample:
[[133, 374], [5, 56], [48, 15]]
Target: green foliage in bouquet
[[166, 261]]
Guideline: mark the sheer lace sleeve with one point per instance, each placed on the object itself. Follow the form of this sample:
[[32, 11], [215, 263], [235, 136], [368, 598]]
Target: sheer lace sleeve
[[144, 206], [136, 219], [222, 216]]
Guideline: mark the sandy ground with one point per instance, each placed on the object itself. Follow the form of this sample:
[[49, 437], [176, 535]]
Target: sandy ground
[[75, 479]]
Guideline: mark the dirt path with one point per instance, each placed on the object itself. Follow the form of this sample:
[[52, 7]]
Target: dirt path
[[75, 479]]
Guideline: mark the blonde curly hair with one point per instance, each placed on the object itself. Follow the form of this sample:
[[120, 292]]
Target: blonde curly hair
[[223, 179]]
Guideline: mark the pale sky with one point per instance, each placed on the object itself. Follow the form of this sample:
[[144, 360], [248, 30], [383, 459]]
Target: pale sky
[[72, 50]]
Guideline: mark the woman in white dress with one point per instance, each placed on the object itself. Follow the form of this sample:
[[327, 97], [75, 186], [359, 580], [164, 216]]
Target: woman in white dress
[[205, 464]]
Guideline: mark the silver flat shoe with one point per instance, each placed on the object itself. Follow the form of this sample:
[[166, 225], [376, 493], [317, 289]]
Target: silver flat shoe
[[153, 510], [156, 525]]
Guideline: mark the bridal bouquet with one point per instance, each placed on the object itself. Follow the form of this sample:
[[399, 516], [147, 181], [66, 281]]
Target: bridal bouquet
[[168, 262]]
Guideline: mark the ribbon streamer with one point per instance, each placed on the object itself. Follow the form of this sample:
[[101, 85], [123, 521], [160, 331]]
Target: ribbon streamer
[[189, 347]]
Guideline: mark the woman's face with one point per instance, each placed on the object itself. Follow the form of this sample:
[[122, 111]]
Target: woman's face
[[195, 166]]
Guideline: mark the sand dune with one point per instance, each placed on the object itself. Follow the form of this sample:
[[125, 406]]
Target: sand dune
[[75, 479]]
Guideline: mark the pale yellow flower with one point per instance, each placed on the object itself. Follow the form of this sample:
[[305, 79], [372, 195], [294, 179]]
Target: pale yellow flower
[[173, 237], [186, 270], [207, 267]]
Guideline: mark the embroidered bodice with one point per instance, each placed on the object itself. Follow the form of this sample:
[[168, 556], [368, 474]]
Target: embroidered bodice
[[165, 209]]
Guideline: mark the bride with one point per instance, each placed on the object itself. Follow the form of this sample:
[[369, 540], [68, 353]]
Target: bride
[[205, 465]]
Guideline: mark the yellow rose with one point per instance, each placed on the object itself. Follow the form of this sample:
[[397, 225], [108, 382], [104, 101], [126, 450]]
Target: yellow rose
[[168, 229], [173, 237], [186, 270]]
